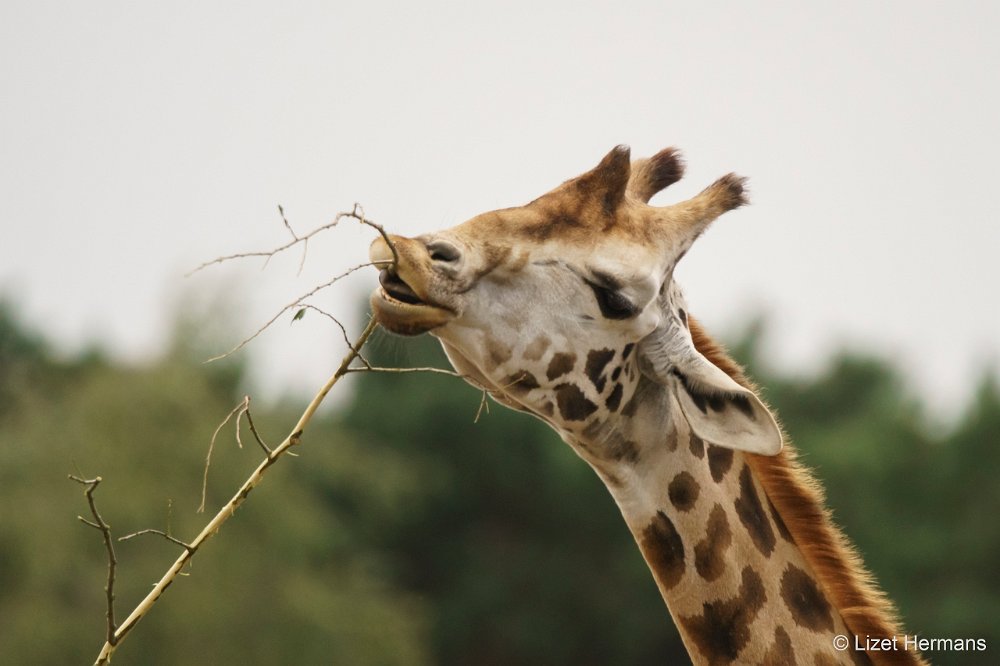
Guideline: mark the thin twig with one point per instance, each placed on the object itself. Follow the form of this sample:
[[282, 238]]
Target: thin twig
[[238, 409], [401, 371], [484, 404], [105, 529], [253, 429], [356, 213], [298, 302], [160, 532], [343, 330]]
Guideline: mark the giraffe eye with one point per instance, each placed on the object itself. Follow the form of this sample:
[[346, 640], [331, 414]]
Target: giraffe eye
[[612, 304]]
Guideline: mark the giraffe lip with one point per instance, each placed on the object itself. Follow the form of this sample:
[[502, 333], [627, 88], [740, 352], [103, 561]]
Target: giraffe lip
[[395, 288]]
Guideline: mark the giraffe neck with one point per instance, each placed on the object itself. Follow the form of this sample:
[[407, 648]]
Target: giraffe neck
[[737, 585]]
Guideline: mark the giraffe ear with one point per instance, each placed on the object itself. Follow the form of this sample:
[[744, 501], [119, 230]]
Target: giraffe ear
[[721, 411], [718, 409]]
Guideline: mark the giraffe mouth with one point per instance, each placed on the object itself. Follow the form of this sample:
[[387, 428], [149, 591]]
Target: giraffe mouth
[[398, 308], [396, 289]]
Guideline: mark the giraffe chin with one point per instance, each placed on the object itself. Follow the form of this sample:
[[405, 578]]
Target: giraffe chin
[[407, 318]]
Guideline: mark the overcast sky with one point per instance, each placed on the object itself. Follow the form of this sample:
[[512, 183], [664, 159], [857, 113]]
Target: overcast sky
[[139, 139]]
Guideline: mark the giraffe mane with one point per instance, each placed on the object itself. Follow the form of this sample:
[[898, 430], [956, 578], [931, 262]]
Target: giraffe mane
[[800, 501]]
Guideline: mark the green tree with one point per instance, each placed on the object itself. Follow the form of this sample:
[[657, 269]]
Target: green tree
[[407, 533], [287, 581]]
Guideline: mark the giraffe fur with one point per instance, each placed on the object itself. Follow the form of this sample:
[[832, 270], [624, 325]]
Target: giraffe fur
[[566, 309]]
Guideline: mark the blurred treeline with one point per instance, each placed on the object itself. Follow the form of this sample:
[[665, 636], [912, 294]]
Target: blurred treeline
[[404, 533]]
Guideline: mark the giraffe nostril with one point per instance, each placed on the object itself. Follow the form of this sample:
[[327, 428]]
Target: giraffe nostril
[[443, 251]]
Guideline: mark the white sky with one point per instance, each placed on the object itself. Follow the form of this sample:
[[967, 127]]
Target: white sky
[[138, 139]]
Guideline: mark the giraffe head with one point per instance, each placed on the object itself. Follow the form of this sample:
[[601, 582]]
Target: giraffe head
[[565, 306]]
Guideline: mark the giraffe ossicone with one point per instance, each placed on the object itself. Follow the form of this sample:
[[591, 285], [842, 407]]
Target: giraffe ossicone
[[566, 308]]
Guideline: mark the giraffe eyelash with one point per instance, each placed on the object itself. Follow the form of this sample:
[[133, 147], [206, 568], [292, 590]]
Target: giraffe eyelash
[[612, 303]]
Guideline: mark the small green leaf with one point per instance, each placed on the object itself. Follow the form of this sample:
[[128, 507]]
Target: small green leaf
[[299, 315]]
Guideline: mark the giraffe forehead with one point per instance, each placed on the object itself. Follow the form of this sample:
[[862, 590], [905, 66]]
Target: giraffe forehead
[[551, 229]]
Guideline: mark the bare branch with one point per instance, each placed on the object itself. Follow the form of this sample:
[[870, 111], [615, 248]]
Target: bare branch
[[115, 636], [105, 529], [116, 633]]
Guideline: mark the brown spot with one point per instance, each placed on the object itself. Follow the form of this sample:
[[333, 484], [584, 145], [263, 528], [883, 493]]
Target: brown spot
[[537, 348], [597, 359], [627, 350], [696, 445], [616, 373], [496, 354], [672, 440], [683, 491], [752, 515], [573, 404], [664, 550], [780, 653], [720, 459], [808, 606], [548, 409], [560, 364], [723, 628], [519, 383], [683, 315], [615, 398], [619, 448], [494, 254], [556, 222], [780, 523], [709, 553]]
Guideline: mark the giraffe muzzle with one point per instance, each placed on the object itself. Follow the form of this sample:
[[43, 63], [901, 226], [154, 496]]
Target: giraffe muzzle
[[398, 304]]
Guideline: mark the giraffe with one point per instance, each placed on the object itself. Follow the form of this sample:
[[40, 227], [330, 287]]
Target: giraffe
[[566, 309]]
